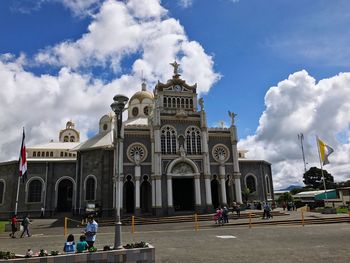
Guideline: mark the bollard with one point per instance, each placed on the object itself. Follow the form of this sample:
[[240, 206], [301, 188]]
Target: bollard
[[250, 220], [195, 222], [65, 226], [302, 218], [133, 224]]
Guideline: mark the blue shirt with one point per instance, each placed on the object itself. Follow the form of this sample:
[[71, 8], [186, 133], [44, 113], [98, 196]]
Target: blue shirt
[[91, 227]]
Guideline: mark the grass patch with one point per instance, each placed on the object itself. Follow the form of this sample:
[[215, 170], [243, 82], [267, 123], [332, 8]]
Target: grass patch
[[342, 210], [2, 226]]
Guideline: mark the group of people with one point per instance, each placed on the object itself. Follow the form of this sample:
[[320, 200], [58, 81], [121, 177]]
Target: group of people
[[14, 226], [86, 241], [221, 215]]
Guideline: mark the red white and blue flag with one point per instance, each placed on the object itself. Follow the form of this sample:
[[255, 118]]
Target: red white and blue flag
[[23, 160]]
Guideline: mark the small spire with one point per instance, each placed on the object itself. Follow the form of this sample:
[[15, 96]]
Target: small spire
[[143, 86]]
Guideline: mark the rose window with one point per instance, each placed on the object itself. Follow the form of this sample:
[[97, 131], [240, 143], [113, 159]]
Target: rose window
[[137, 153], [220, 153]]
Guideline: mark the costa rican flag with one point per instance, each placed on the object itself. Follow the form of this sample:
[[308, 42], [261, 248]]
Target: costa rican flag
[[23, 160]]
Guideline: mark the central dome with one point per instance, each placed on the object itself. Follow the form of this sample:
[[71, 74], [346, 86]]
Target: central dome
[[141, 95]]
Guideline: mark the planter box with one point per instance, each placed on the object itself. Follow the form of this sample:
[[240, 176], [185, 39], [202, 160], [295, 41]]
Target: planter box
[[144, 255], [329, 210]]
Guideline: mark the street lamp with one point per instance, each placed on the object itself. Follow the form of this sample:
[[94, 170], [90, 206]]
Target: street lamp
[[118, 106]]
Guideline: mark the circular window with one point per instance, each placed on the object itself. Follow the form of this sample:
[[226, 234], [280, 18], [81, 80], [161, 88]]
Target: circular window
[[135, 111], [220, 153], [137, 152], [105, 126], [146, 110]]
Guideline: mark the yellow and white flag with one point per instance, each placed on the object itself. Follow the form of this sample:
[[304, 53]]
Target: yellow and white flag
[[324, 150]]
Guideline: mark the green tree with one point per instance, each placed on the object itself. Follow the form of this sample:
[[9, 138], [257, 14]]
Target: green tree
[[285, 198], [313, 178], [246, 194]]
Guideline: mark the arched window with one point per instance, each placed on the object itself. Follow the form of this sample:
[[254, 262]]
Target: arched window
[[165, 102], [182, 103], [51, 154], [168, 140], [34, 154], [2, 191], [47, 154], [193, 140], [72, 139], [61, 154], [38, 154], [65, 139], [90, 189], [250, 183], [35, 190], [42, 154]]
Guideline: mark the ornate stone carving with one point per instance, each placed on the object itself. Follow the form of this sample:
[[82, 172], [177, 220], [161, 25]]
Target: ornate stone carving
[[182, 168], [201, 103], [232, 115]]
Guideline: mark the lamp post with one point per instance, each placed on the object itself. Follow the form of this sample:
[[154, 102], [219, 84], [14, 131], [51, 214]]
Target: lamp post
[[118, 106]]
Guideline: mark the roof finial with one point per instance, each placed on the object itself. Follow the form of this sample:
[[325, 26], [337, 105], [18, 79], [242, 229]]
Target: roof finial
[[176, 67], [143, 85]]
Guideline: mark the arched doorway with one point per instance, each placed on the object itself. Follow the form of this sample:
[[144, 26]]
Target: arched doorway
[[215, 193], [64, 196], [146, 196], [129, 196], [183, 186]]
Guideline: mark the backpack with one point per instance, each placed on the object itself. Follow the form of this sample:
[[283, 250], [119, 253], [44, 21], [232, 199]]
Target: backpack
[[69, 247]]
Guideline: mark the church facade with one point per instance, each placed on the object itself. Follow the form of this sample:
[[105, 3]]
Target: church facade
[[170, 162]]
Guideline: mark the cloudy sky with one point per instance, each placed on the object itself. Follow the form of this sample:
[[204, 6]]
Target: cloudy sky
[[282, 66]]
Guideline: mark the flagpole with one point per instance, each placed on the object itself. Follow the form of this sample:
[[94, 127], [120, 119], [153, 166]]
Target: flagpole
[[324, 181], [16, 206]]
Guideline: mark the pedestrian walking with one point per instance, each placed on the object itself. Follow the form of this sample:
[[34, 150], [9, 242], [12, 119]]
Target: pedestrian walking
[[25, 223], [13, 226], [90, 231], [225, 214]]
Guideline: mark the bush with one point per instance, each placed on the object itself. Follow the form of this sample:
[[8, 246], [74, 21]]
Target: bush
[[6, 255], [342, 210], [92, 249], [141, 244]]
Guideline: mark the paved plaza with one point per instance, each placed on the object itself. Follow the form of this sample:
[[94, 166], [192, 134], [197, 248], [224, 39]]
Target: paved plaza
[[179, 242]]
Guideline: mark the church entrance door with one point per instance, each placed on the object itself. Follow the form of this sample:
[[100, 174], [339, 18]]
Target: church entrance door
[[65, 196], [146, 197], [129, 197], [215, 193], [183, 194]]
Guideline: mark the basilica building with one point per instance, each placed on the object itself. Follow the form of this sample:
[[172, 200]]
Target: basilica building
[[170, 162]]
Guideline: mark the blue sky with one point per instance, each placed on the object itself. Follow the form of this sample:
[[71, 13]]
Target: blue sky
[[274, 63]]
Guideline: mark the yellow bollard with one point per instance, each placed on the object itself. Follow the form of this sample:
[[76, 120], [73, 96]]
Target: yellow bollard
[[65, 225], [133, 224], [195, 222], [250, 220], [302, 218]]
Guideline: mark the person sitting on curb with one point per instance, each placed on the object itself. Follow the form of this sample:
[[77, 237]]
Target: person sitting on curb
[[69, 245], [82, 244]]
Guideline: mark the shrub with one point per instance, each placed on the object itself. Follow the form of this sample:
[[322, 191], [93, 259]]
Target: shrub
[[92, 249], [6, 255], [141, 244]]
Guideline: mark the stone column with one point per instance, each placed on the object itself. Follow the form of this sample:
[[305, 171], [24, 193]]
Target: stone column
[[222, 184], [236, 172], [206, 161], [208, 199], [158, 192], [197, 188], [170, 191], [137, 189]]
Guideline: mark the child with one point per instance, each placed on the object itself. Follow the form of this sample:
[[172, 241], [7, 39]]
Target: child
[[69, 246], [82, 244]]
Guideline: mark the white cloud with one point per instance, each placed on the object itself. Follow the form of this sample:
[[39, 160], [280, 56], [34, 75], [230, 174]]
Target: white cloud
[[81, 7], [185, 3], [299, 104], [138, 31]]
